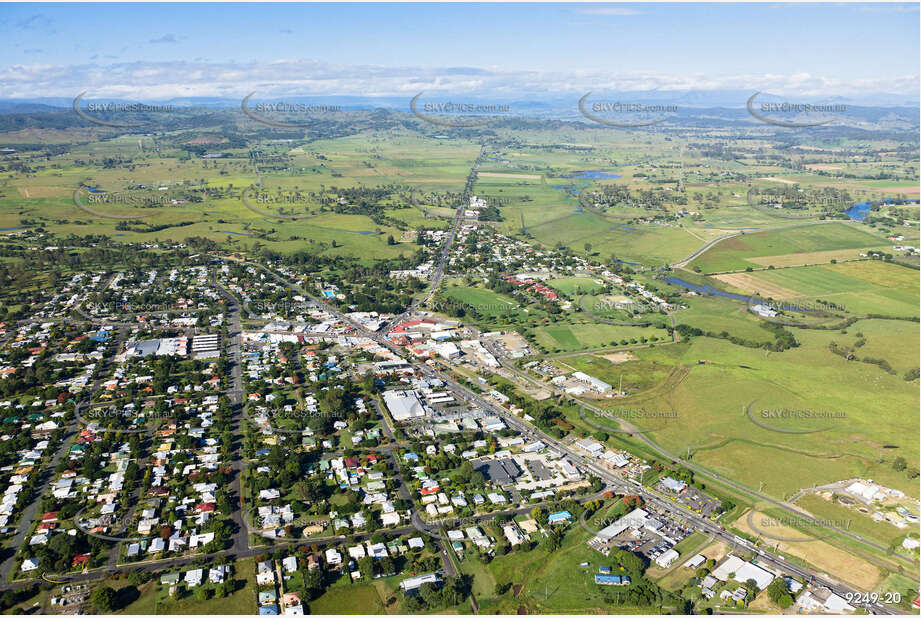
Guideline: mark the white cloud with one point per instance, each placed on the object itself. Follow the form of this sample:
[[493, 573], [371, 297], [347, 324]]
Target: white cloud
[[151, 80]]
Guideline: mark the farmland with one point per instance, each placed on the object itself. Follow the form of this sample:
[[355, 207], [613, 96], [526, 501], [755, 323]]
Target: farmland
[[734, 254], [864, 287]]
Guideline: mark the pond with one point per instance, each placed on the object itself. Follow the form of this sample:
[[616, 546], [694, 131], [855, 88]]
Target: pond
[[593, 175]]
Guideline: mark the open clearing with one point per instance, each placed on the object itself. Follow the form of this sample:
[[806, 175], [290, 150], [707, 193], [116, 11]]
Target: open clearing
[[914, 190], [812, 257], [867, 286], [36, 192], [506, 175], [775, 179], [836, 562], [619, 357], [751, 284]]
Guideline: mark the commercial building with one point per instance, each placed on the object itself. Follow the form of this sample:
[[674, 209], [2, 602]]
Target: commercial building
[[404, 405]]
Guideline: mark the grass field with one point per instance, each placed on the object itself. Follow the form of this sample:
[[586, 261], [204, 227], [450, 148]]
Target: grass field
[[154, 598], [735, 253], [882, 532], [368, 159], [551, 582], [712, 399], [867, 286], [574, 286], [717, 315], [636, 376], [348, 598], [824, 555], [649, 243], [573, 337]]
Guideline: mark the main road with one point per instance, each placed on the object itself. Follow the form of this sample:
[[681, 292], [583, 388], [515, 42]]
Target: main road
[[235, 397]]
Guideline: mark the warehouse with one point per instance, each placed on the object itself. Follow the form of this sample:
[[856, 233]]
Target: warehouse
[[404, 405]]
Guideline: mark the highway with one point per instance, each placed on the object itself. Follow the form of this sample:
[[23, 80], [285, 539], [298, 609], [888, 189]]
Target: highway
[[438, 273]]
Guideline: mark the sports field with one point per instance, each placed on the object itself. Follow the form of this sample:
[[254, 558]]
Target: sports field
[[574, 286]]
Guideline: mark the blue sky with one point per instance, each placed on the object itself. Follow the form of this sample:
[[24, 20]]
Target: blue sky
[[213, 49]]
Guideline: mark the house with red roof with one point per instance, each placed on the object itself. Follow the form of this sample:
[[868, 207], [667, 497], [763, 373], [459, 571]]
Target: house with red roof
[[205, 507]]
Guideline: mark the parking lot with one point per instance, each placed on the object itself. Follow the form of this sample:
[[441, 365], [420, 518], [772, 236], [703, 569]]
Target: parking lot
[[698, 501], [653, 544]]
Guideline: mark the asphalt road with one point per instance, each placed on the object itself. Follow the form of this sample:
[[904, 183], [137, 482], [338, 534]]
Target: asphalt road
[[235, 396]]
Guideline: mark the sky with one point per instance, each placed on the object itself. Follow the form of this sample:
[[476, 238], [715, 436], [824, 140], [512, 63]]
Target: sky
[[158, 51]]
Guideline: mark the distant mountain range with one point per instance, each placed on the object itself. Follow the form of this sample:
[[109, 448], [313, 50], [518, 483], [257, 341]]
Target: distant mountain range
[[539, 104]]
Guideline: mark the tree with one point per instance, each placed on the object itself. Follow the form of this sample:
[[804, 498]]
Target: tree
[[553, 540], [103, 599], [366, 567], [777, 592], [751, 590]]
